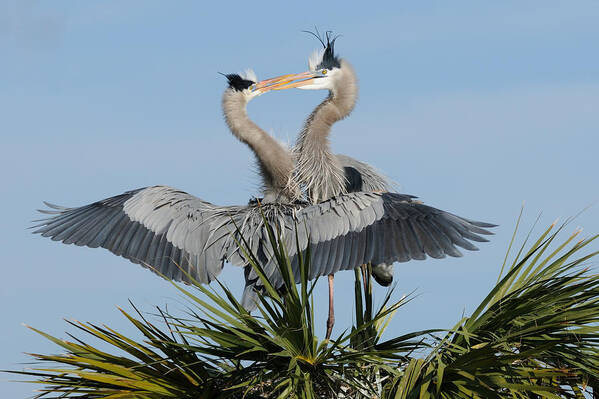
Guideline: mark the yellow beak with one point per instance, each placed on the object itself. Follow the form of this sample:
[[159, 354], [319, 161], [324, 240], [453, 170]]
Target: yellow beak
[[287, 81]]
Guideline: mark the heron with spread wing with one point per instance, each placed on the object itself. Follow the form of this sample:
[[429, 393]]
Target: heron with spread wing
[[169, 230], [320, 173]]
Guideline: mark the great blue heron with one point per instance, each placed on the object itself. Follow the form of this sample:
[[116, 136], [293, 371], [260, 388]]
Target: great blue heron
[[168, 229], [320, 172], [276, 164]]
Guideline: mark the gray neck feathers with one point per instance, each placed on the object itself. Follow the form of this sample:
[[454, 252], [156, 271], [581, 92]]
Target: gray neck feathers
[[317, 168], [275, 162]]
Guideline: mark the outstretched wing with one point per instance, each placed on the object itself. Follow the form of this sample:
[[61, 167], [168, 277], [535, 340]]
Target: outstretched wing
[[169, 230], [357, 228], [157, 226]]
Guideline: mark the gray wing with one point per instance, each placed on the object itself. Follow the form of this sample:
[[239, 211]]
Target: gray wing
[[167, 229], [366, 177], [380, 228], [158, 227]]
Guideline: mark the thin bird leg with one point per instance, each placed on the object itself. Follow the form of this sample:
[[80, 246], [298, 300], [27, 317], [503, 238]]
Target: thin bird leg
[[364, 275], [331, 319]]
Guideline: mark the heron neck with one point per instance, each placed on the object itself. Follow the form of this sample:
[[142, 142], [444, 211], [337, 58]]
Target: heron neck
[[317, 168], [275, 161], [338, 105]]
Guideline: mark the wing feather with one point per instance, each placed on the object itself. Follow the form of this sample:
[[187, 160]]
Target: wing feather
[[103, 235], [142, 251], [158, 226], [166, 260], [115, 234], [390, 247], [91, 237], [429, 244], [331, 266], [412, 242], [86, 226], [161, 227], [439, 243], [455, 236], [63, 232], [359, 227]]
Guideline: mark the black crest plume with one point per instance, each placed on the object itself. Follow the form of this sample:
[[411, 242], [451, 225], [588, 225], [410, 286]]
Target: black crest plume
[[236, 82], [329, 59]]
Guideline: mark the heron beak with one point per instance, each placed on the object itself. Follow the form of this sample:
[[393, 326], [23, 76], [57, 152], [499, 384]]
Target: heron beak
[[286, 81]]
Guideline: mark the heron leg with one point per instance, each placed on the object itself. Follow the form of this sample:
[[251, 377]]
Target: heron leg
[[364, 269], [331, 319]]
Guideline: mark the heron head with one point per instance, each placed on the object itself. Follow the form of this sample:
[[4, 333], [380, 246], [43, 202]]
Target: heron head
[[244, 84], [323, 64], [324, 70], [247, 84]]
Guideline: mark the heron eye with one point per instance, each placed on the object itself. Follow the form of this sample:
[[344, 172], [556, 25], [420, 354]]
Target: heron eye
[[324, 71]]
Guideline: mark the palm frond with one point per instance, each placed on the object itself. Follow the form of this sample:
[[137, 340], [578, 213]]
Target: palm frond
[[536, 334]]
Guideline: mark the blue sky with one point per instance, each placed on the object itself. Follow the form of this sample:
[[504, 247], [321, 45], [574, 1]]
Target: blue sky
[[473, 107]]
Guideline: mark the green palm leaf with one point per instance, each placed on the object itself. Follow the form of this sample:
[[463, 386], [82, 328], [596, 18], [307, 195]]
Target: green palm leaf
[[536, 334]]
